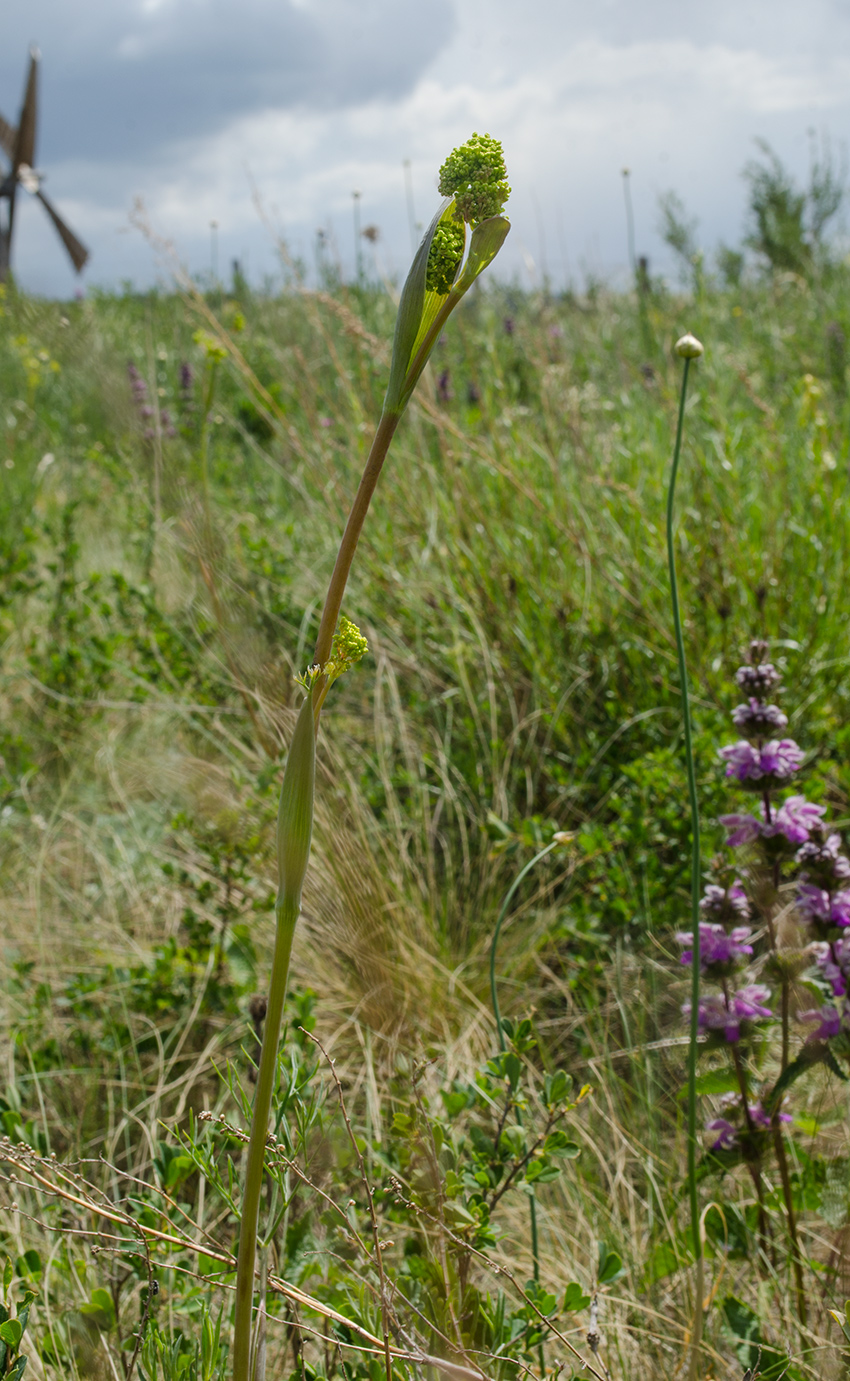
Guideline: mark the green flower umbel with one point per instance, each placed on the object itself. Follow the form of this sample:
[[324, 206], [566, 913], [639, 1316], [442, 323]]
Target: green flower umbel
[[476, 176], [444, 257]]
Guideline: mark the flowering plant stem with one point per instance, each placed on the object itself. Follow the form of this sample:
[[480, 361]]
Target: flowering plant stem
[[696, 1332], [286, 914]]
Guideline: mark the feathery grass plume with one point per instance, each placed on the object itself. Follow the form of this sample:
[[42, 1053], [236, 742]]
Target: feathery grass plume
[[689, 348], [473, 177]]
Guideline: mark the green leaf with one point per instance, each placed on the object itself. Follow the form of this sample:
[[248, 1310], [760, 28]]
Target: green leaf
[[575, 1298], [411, 311], [610, 1265], [16, 1370], [7, 1275], [100, 1310], [30, 1265], [714, 1081], [11, 1332]]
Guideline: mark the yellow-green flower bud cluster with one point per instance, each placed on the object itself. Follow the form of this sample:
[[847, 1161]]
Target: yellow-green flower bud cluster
[[476, 176], [444, 257], [347, 648]]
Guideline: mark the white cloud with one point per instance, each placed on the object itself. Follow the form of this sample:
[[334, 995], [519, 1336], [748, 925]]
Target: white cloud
[[575, 92]]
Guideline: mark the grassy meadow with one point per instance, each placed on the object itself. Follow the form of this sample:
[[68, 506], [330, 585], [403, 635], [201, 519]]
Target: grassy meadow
[[164, 549]]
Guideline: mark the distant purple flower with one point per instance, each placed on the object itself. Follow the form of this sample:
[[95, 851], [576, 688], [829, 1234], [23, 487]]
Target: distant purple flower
[[325, 422], [444, 391], [833, 960], [717, 948], [167, 424], [556, 332], [812, 902], [745, 1005], [508, 324], [726, 904], [757, 718], [473, 394], [760, 1118], [823, 859], [743, 829], [829, 1023], [187, 377], [779, 759], [815, 904], [728, 1134], [759, 679]]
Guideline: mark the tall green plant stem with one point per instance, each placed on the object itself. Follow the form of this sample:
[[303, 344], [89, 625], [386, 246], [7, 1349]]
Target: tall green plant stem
[[348, 546], [286, 918], [696, 1332], [494, 998]]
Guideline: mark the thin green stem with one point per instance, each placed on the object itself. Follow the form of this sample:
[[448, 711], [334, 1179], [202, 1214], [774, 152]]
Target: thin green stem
[[695, 875], [287, 917], [494, 998], [348, 546]]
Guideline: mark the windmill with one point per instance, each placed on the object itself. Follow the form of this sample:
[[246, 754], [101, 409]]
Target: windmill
[[19, 147]]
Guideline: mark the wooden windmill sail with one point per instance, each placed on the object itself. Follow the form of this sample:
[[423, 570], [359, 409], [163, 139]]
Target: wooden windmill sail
[[19, 147]]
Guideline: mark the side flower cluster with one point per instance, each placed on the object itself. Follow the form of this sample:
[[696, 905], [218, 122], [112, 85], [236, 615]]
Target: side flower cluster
[[784, 832]]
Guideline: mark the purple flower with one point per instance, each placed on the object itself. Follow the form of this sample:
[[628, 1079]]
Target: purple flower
[[727, 904], [508, 324], [760, 1118], [743, 829], [823, 859], [717, 949], [728, 1134], [713, 1013], [444, 390], [779, 759], [812, 902], [795, 818], [815, 904], [833, 960], [758, 679], [829, 1023], [325, 422], [187, 378], [757, 718]]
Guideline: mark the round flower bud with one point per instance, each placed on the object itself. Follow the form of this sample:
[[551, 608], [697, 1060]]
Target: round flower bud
[[688, 347]]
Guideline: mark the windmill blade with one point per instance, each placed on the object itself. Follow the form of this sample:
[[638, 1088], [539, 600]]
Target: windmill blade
[[7, 138], [25, 141], [78, 252]]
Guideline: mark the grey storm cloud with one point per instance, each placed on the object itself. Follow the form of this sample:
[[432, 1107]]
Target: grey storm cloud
[[127, 77]]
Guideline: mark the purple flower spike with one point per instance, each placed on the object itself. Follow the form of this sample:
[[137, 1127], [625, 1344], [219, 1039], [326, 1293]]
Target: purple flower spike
[[717, 949], [758, 680], [728, 1134], [747, 1002], [757, 718], [839, 911], [829, 1023]]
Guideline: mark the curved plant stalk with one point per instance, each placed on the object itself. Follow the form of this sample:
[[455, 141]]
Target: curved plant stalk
[[689, 348], [436, 283]]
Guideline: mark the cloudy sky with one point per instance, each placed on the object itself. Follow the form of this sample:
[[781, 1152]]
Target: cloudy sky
[[209, 109]]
